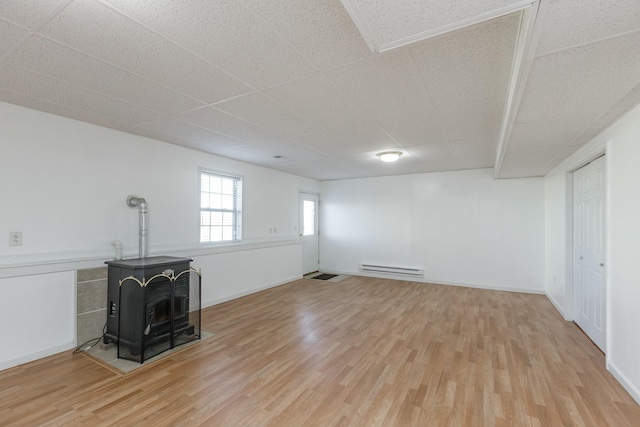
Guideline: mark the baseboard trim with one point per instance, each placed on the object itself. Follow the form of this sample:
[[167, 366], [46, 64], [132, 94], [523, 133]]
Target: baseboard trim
[[489, 287], [250, 291], [557, 306], [7, 364], [624, 381], [427, 280]]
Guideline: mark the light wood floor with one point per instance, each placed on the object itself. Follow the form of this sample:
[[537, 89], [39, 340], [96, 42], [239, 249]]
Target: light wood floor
[[361, 352]]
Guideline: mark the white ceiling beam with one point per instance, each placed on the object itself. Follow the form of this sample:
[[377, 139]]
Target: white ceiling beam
[[375, 45], [528, 37]]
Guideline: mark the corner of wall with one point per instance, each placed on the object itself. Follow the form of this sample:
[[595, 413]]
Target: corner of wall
[[557, 305], [624, 381]]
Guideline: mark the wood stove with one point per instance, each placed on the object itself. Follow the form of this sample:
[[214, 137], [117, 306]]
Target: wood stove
[[148, 308]]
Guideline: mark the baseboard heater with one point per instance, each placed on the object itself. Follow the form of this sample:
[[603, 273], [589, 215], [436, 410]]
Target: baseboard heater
[[404, 271]]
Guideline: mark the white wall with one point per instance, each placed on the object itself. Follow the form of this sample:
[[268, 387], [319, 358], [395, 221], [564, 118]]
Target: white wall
[[622, 144], [463, 228], [64, 183], [42, 327], [231, 274], [556, 211]]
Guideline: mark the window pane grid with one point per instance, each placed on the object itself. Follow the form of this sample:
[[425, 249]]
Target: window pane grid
[[220, 210]]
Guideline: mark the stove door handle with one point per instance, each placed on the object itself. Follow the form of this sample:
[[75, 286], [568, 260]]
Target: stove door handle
[[147, 330]]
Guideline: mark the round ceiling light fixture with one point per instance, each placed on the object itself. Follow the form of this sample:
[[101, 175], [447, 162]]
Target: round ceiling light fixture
[[389, 156]]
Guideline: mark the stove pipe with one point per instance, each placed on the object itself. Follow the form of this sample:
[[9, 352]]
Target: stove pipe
[[141, 204]]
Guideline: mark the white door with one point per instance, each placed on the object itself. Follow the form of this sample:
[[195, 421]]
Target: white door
[[309, 232], [588, 250]]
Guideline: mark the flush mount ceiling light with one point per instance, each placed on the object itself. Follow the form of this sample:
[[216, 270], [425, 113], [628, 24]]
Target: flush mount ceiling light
[[389, 156]]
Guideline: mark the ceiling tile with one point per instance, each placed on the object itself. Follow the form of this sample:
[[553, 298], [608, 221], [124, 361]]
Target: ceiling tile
[[546, 135], [235, 39], [583, 81], [290, 150], [102, 33], [525, 164], [186, 134], [365, 136], [483, 161], [320, 100], [310, 169], [326, 143], [432, 157], [259, 109], [60, 62], [474, 153], [11, 34], [607, 119], [251, 153], [321, 30], [60, 110], [469, 121], [416, 128], [573, 22], [384, 85], [368, 164], [48, 89], [477, 147], [30, 14], [470, 66], [339, 163], [226, 124]]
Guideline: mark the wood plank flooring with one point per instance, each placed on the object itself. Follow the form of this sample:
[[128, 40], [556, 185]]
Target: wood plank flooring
[[360, 352]]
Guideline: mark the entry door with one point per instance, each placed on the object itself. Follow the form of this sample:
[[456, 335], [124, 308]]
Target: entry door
[[309, 232], [588, 250]]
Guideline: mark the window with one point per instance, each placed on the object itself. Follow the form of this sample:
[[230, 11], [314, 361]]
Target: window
[[308, 218], [220, 208]]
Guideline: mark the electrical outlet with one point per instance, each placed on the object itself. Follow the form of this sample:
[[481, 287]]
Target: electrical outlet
[[15, 238]]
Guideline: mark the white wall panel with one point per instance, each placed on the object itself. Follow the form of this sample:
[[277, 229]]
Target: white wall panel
[[230, 275], [623, 231], [623, 203], [461, 227], [555, 243], [37, 317]]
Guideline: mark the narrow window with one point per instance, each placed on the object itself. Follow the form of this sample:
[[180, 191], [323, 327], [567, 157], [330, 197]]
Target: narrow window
[[220, 208], [309, 218]]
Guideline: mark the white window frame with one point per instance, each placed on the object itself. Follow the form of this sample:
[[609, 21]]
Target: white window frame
[[236, 211]]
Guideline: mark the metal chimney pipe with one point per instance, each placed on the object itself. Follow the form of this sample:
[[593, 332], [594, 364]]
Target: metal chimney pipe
[[141, 204]]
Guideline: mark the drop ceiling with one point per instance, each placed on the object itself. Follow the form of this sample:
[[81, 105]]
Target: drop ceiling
[[317, 87]]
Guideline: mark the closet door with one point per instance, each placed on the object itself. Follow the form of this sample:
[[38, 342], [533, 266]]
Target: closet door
[[589, 290]]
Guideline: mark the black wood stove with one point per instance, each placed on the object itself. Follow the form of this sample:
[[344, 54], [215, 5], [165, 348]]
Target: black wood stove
[[148, 306]]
